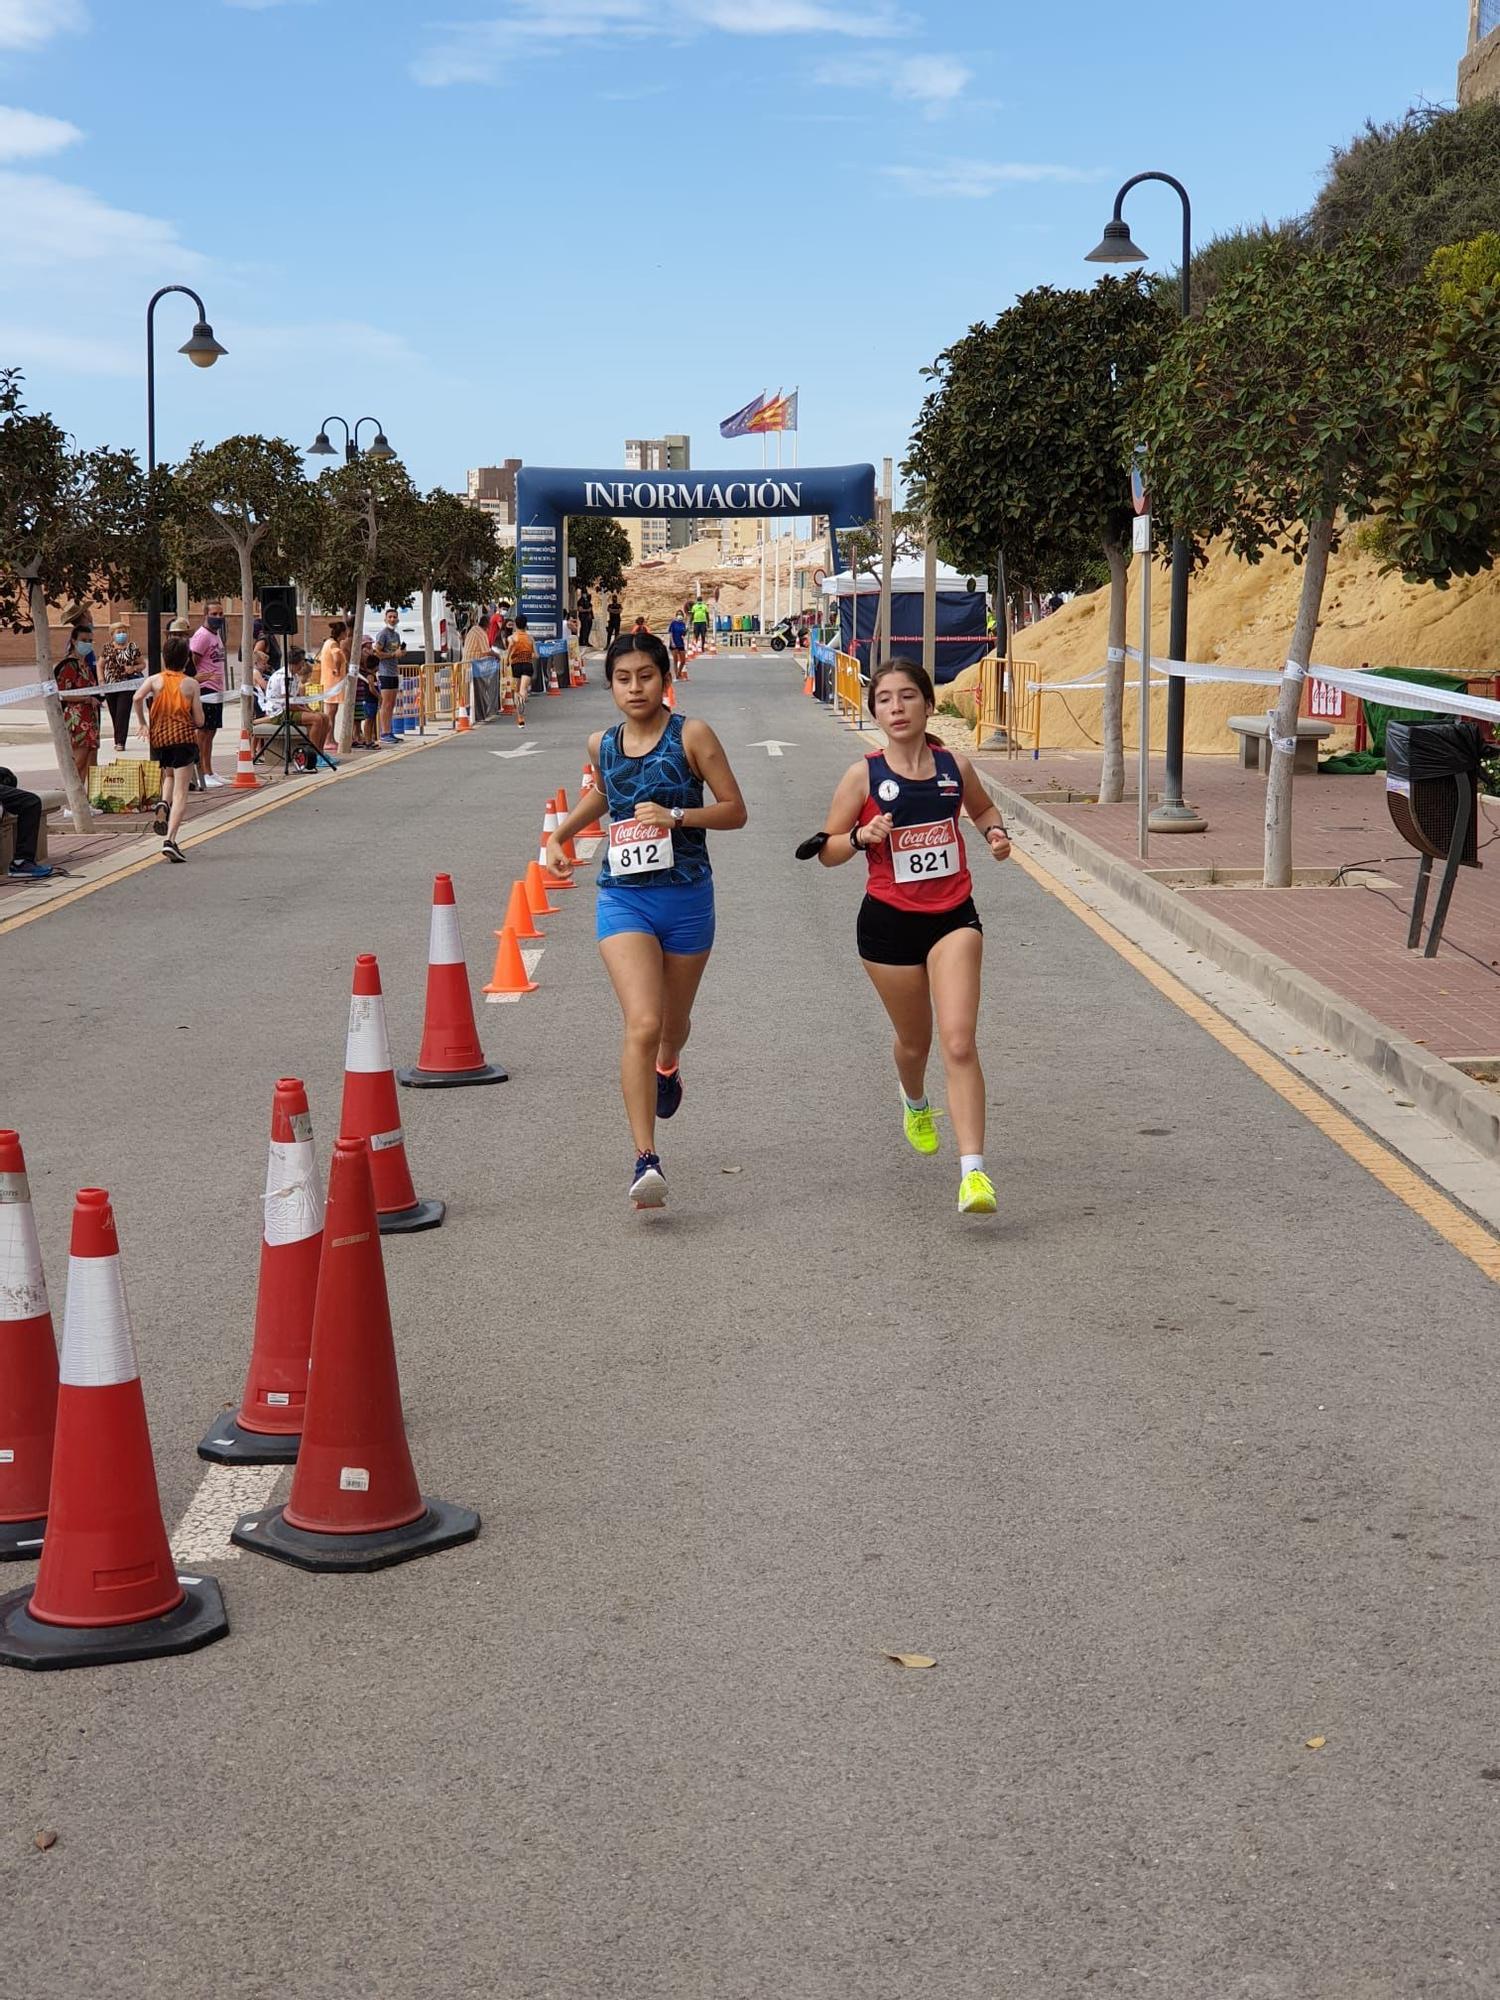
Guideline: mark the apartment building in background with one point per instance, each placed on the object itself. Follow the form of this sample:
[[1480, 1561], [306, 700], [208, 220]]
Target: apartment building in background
[[658, 535], [492, 489]]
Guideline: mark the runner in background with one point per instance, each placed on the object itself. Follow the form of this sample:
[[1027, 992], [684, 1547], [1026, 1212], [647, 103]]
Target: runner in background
[[520, 657], [176, 719], [919, 935], [677, 640], [655, 915]]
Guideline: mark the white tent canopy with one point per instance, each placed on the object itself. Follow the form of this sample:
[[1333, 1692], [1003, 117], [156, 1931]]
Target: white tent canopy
[[905, 576]]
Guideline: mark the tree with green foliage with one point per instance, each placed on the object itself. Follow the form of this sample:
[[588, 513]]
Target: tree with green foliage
[[601, 549], [241, 503], [1422, 181], [1268, 421], [1023, 446], [354, 558], [451, 548], [1460, 269], [72, 524]]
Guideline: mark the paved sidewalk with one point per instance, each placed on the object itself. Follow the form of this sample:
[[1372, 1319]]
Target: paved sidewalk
[[1351, 939]]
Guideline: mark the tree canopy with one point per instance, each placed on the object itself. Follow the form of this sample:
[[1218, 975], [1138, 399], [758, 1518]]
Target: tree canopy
[[601, 549]]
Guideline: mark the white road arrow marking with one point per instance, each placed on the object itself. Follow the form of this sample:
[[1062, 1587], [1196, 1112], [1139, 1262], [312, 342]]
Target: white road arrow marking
[[772, 748], [526, 750]]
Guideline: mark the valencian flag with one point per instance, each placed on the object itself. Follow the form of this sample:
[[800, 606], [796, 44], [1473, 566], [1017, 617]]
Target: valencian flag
[[779, 414], [741, 422]]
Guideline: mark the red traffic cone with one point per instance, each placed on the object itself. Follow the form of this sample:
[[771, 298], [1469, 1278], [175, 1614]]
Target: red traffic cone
[[450, 1052], [370, 1111], [355, 1503], [107, 1589], [245, 779], [269, 1424], [28, 1366]]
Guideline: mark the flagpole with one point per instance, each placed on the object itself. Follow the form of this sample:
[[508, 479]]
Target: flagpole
[[776, 554], [761, 538]]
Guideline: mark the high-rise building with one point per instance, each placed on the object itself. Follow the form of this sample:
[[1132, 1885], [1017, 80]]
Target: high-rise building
[[492, 489], [657, 535]]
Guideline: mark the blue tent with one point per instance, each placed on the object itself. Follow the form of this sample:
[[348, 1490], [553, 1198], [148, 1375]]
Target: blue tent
[[961, 636]]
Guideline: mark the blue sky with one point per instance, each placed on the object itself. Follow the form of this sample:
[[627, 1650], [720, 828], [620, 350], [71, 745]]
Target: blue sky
[[534, 227]]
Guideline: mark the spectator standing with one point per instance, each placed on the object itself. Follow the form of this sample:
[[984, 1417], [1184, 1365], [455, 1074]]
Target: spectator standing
[[207, 648], [25, 808], [700, 624], [78, 669], [174, 731], [483, 663], [389, 647], [333, 666], [367, 693], [612, 616], [120, 661], [585, 619]]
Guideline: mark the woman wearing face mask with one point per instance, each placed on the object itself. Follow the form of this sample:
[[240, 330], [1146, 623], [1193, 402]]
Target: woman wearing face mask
[[120, 661], [77, 669]]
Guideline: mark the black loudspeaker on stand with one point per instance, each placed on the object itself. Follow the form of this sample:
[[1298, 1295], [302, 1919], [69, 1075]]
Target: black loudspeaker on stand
[[278, 615]]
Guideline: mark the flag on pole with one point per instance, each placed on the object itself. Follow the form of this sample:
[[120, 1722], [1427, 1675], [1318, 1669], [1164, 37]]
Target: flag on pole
[[742, 421], [778, 413]]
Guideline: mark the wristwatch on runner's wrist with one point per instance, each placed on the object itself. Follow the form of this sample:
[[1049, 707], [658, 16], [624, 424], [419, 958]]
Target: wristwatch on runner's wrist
[[679, 814]]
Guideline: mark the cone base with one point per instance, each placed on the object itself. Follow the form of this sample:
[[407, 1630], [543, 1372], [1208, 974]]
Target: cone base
[[21, 1541], [407, 1221], [228, 1442], [449, 1079], [440, 1526], [26, 1642]]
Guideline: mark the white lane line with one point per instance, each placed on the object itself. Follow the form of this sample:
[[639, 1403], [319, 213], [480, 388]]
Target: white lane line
[[587, 849], [202, 1535], [531, 958]]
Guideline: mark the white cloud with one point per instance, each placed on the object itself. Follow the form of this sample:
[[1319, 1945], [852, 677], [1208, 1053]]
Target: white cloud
[[933, 82], [30, 135], [264, 6], [347, 341], [69, 353], [28, 24], [479, 51], [54, 225], [976, 180]]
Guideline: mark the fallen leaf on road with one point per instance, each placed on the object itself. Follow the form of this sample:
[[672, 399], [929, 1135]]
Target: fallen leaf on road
[[731, 1170], [1315, 1742], [910, 1660], [45, 1839]]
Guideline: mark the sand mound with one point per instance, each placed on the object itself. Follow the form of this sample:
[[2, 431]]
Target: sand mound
[[655, 589], [1242, 615]]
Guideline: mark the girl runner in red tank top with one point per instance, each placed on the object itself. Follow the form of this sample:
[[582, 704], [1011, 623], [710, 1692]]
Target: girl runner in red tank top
[[919, 934]]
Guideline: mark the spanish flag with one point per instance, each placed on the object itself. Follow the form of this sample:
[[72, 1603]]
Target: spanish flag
[[779, 414]]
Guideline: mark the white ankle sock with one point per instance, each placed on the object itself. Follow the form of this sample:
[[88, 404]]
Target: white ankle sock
[[914, 1103], [971, 1163]]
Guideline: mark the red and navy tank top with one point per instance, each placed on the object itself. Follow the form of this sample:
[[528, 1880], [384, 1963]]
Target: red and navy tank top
[[922, 866]]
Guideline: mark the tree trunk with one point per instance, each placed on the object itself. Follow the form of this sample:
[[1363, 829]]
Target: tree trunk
[[247, 644], [1278, 864], [57, 728], [351, 679], [429, 651], [1112, 713]]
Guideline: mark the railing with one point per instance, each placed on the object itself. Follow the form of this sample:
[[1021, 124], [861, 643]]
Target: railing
[[1005, 701]]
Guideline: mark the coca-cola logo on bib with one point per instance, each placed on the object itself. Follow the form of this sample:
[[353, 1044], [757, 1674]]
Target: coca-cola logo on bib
[[626, 832], [938, 835]]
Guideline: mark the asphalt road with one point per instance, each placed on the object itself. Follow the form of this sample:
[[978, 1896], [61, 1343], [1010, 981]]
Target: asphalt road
[[1185, 1458]]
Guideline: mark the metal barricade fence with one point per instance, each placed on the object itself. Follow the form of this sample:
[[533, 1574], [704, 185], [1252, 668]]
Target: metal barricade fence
[[1005, 704], [848, 690]]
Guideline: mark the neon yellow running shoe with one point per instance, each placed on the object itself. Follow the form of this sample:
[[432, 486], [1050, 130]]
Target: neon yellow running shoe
[[976, 1194], [921, 1127]]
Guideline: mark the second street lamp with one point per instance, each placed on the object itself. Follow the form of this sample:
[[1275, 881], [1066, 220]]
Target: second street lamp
[[380, 447], [1118, 247]]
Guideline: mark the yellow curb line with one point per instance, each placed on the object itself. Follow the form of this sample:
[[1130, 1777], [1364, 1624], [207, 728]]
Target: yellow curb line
[[1470, 1238], [211, 832]]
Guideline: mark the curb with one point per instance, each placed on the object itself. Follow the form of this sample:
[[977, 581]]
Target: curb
[[1466, 1108]]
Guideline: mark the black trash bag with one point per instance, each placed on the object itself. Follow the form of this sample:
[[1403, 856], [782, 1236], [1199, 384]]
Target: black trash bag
[[1418, 750]]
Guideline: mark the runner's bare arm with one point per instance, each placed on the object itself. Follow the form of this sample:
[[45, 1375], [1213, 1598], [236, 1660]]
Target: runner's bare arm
[[848, 802], [982, 809]]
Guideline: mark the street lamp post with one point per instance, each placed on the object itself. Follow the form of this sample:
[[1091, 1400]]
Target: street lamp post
[[203, 351], [1117, 247], [380, 446]]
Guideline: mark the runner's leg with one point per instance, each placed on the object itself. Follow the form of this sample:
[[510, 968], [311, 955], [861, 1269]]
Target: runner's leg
[[634, 962], [177, 780], [953, 971], [680, 980], [906, 998]]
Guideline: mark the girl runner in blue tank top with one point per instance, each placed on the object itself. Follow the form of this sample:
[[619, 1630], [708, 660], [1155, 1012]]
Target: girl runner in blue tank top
[[655, 920]]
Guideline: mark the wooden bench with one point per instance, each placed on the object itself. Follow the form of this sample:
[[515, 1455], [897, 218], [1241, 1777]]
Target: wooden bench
[[1254, 732], [52, 802]]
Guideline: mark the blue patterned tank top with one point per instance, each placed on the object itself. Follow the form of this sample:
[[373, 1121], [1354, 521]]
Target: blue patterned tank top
[[665, 775]]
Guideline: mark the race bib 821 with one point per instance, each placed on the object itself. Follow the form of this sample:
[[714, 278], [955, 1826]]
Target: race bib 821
[[924, 853]]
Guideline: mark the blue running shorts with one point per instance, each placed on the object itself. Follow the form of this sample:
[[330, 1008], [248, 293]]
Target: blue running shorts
[[679, 915]]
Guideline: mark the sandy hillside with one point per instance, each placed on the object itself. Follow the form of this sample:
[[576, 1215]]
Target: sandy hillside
[[1242, 615], [654, 589]]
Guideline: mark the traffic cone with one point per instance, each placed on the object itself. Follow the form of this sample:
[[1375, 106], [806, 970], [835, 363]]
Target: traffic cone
[[510, 974], [809, 685], [560, 807], [518, 917], [450, 1052], [269, 1425], [551, 675], [245, 779], [355, 1503], [370, 1111], [508, 698], [551, 819], [589, 781], [462, 722], [28, 1366], [107, 1589], [670, 697], [537, 885]]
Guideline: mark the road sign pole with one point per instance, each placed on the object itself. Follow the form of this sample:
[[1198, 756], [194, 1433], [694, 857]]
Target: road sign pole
[[1142, 545]]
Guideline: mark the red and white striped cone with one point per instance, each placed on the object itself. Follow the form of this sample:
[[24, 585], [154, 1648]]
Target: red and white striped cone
[[450, 1052], [28, 1366], [370, 1110], [550, 824], [107, 1589], [245, 779], [268, 1428]]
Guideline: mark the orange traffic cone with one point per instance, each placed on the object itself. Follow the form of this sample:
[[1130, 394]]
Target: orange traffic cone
[[245, 779], [28, 1365], [450, 1052], [370, 1111], [107, 1589], [809, 685], [551, 675], [670, 697], [461, 721], [518, 917], [508, 698], [589, 781], [510, 974], [537, 885], [269, 1424], [549, 827], [355, 1503]]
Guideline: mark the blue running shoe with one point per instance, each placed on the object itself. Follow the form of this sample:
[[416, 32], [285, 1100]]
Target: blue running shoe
[[668, 1093], [648, 1187]]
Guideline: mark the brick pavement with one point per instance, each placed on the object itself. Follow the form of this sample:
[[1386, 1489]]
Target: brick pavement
[[1351, 939]]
